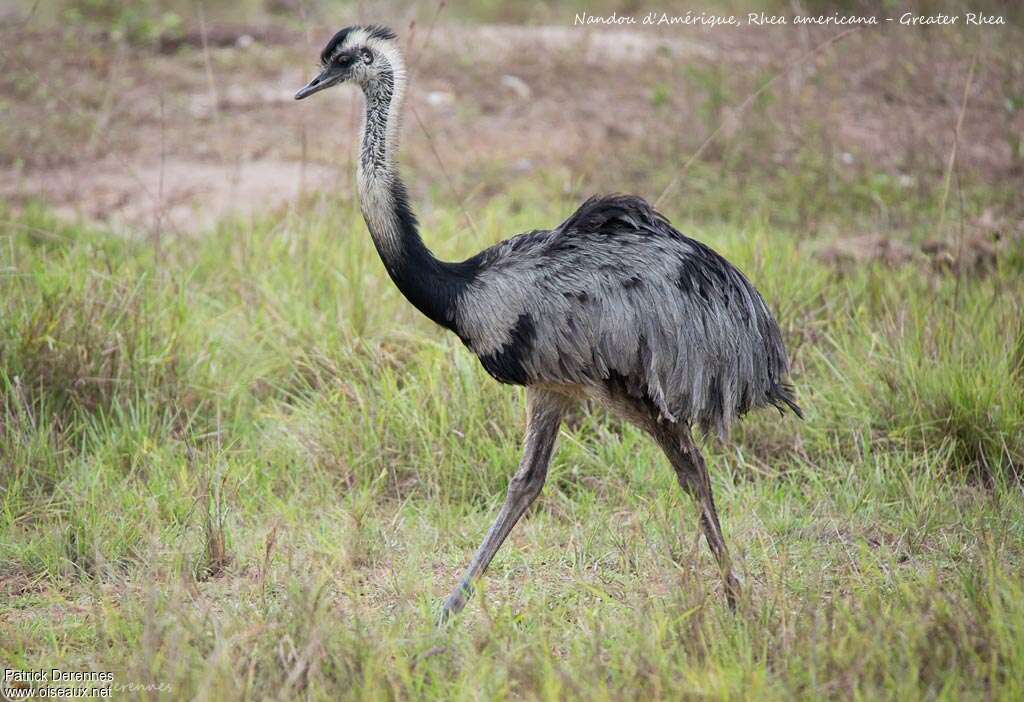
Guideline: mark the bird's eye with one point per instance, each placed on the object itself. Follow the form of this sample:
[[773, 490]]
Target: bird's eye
[[345, 59]]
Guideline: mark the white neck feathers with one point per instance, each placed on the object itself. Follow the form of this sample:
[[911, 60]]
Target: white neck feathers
[[377, 171]]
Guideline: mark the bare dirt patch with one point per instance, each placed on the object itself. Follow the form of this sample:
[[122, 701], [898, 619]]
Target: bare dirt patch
[[176, 138]]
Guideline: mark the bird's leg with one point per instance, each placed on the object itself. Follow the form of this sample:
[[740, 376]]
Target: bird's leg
[[692, 474], [545, 411]]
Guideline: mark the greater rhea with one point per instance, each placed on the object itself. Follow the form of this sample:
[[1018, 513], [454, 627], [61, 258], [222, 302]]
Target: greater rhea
[[613, 304]]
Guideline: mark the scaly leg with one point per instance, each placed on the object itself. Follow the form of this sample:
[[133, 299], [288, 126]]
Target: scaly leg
[[692, 474], [545, 411]]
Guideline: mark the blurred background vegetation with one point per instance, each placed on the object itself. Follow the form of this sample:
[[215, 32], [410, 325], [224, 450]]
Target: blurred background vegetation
[[858, 138], [147, 20]]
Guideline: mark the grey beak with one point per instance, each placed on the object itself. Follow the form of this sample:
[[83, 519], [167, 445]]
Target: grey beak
[[316, 85]]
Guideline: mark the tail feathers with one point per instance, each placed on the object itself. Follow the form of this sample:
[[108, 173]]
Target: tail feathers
[[782, 394]]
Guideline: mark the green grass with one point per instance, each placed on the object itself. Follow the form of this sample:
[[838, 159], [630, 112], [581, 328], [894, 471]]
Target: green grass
[[242, 467]]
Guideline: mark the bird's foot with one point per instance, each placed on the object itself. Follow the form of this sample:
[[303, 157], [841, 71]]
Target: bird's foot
[[733, 590], [454, 603]]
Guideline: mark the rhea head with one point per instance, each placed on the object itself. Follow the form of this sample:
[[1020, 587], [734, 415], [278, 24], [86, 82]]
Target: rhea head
[[360, 55]]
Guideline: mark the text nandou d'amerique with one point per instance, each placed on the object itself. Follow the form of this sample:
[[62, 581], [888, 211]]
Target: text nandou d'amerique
[[707, 19]]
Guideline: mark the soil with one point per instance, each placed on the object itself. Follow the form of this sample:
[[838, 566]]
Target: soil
[[176, 136]]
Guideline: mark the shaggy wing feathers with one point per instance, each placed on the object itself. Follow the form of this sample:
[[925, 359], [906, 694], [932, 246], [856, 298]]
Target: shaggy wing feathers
[[615, 296]]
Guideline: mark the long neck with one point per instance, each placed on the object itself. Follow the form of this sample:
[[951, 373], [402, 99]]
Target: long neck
[[431, 285]]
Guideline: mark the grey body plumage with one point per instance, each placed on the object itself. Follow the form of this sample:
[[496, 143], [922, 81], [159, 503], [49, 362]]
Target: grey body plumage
[[614, 304], [615, 301]]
